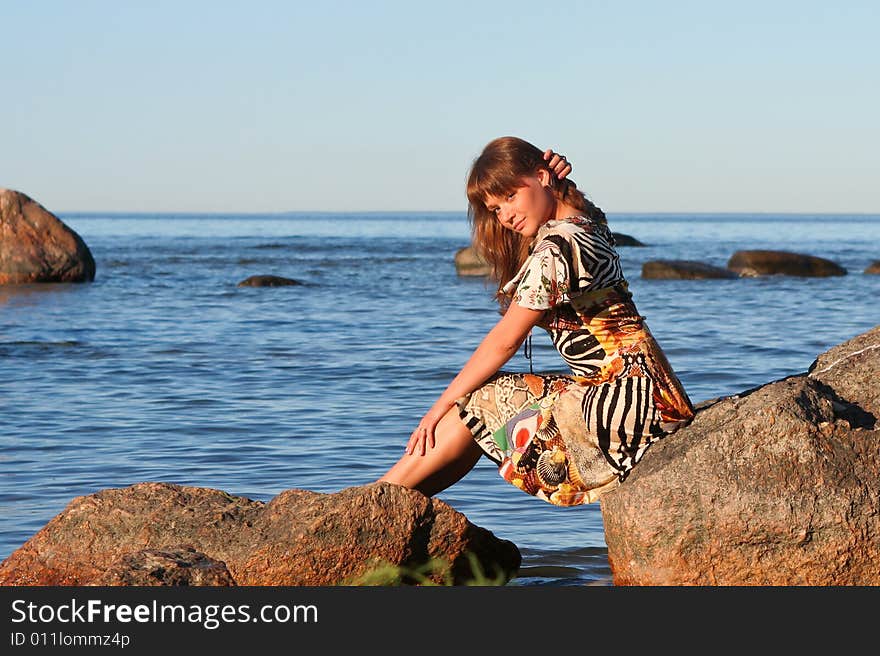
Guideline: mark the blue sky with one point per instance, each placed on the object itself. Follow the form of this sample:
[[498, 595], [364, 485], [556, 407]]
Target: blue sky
[[284, 106]]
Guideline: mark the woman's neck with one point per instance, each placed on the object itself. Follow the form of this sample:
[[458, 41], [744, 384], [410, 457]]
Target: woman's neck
[[564, 210]]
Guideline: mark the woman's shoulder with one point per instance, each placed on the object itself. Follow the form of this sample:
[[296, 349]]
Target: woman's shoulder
[[573, 228]]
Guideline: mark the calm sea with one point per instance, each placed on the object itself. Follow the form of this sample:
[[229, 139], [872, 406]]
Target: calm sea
[[163, 369]]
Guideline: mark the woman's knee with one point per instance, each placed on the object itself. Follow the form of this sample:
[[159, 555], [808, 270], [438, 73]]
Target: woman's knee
[[452, 455]]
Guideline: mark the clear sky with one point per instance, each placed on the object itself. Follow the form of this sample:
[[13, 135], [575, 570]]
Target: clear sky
[[741, 106]]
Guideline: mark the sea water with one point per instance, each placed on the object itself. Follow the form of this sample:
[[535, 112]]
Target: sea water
[[163, 369]]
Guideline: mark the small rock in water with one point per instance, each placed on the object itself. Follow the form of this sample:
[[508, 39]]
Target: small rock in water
[[469, 263], [268, 281], [621, 239]]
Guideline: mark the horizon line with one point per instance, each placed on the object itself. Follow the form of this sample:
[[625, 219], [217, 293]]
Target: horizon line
[[463, 211]]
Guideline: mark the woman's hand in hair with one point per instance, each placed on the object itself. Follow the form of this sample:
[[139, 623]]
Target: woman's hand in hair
[[557, 163]]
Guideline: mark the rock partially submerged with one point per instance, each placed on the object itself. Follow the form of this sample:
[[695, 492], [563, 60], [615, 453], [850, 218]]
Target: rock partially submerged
[[469, 263], [37, 246], [683, 270], [779, 485], [268, 281], [768, 262], [621, 239], [164, 534], [873, 267]]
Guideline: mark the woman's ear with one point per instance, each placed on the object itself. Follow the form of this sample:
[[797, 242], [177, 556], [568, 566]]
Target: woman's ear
[[545, 178]]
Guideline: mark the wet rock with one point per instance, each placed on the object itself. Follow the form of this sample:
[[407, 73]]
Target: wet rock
[[683, 270], [36, 246], [766, 263], [298, 538], [779, 485], [874, 267], [469, 263], [268, 281]]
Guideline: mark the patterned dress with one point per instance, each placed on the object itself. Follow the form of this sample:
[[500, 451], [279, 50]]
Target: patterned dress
[[567, 439]]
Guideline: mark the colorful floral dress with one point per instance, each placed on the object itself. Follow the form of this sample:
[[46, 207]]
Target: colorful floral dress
[[568, 439]]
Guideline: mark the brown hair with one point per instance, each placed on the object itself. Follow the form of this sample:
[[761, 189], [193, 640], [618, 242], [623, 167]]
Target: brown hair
[[496, 172]]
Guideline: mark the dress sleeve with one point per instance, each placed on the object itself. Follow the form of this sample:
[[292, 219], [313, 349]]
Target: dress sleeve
[[544, 281]]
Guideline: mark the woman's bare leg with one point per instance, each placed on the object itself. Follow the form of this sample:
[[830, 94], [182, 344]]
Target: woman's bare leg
[[454, 455]]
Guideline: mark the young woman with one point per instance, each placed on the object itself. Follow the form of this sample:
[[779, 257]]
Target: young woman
[[566, 439]]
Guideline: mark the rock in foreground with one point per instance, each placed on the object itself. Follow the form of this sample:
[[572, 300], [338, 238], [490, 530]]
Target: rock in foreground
[[164, 534], [776, 486], [36, 246], [172, 566]]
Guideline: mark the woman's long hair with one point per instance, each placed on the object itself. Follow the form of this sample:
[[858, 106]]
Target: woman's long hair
[[497, 172]]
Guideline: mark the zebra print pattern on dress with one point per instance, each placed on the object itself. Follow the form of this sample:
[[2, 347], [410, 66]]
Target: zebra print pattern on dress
[[598, 267], [599, 264], [623, 416], [482, 436], [580, 349]]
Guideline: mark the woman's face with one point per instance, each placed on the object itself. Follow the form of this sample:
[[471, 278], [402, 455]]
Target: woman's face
[[526, 208]]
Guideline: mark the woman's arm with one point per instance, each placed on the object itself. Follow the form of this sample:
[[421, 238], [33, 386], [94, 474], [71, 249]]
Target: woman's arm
[[497, 347]]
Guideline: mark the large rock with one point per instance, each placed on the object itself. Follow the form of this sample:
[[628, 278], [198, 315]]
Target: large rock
[[779, 485], [164, 534], [768, 263], [873, 267], [683, 270], [36, 246]]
